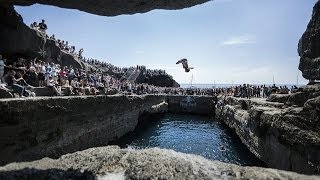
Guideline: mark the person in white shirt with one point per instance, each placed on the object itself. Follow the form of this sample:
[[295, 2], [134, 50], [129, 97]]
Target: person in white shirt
[[41, 75]]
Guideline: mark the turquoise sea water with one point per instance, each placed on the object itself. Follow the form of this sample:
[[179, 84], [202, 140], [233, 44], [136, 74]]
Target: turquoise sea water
[[192, 134]]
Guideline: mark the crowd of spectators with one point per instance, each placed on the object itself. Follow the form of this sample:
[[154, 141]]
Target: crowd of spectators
[[22, 75], [243, 91], [64, 45], [258, 91]]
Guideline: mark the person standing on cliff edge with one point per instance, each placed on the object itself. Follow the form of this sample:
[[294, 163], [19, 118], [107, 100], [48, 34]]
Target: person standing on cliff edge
[[42, 26]]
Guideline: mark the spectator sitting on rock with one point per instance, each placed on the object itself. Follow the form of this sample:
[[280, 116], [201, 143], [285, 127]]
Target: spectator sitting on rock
[[18, 85], [34, 25], [42, 26], [67, 88], [75, 85], [53, 84], [31, 75], [52, 37]]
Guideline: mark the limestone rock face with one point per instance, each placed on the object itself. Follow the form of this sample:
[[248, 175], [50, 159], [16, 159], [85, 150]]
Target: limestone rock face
[[112, 7], [18, 40], [16, 37], [309, 47], [33, 128], [111, 162], [284, 133]]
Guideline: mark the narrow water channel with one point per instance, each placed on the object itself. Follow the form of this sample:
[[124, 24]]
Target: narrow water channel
[[192, 134]]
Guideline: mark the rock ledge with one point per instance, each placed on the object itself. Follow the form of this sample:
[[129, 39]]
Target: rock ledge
[[113, 162]]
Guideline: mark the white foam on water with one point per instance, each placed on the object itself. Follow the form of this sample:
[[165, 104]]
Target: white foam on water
[[113, 176], [131, 148]]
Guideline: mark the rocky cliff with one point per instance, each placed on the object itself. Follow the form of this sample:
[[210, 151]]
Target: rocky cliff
[[18, 40], [113, 163], [309, 47], [161, 80], [283, 133], [111, 7], [49, 127]]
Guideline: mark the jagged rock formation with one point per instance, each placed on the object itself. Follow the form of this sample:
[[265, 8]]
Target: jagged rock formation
[[309, 47], [111, 7], [111, 162], [161, 80], [18, 40], [156, 79], [284, 133]]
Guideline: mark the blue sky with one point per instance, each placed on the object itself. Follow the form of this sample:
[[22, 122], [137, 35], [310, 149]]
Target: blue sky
[[239, 41]]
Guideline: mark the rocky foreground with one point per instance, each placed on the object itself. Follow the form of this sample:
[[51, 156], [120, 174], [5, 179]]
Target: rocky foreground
[[111, 162]]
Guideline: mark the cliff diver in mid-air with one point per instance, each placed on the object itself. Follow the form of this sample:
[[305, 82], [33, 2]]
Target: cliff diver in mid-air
[[184, 64]]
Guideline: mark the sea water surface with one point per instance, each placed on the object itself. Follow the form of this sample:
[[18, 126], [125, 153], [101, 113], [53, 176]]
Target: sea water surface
[[192, 134]]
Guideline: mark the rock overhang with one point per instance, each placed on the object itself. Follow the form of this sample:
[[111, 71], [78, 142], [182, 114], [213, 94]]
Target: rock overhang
[[112, 7]]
